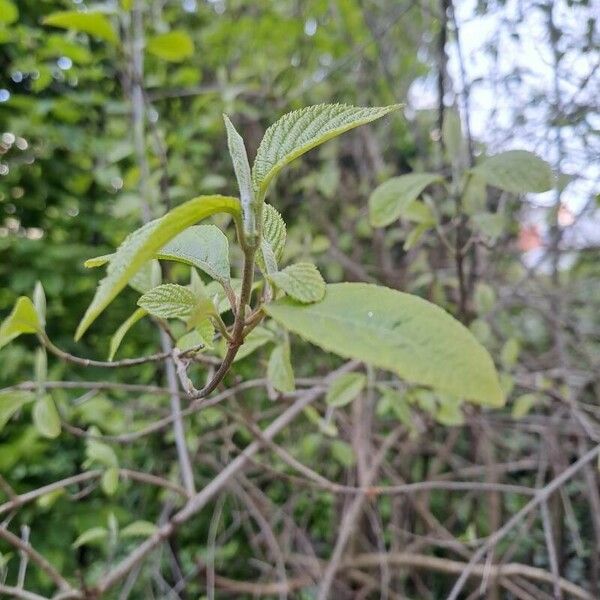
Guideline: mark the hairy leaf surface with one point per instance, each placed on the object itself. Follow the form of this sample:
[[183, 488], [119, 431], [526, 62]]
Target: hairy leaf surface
[[301, 281], [169, 301]]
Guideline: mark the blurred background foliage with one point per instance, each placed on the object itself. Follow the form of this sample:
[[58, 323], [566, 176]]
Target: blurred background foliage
[[69, 190]]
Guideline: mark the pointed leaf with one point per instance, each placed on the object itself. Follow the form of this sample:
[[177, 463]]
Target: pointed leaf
[[239, 157], [516, 171], [301, 130], [95, 534], [168, 301], [173, 46], [202, 246], [45, 418], [279, 370], [403, 333], [93, 23], [119, 334], [392, 199], [301, 281], [142, 244], [273, 239], [345, 388], [22, 319], [139, 529], [11, 402]]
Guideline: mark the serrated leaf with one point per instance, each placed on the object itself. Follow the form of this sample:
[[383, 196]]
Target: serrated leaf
[[142, 244], [169, 301], [11, 402], [93, 23], [95, 534], [22, 319], [516, 171], [203, 246], [274, 234], [301, 130], [241, 167], [344, 389], [279, 369], [301, 281], [393, 198], [139, 529], [110, 481], [46, 418], [173, 46], [418, 340], [119, 334]]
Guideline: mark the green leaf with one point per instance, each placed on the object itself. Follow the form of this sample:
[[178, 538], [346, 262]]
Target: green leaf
[[343, 453], [22, 319], [484, 298], [403, 333], [173, 46], [9, 13], [273, 240], [110, 481], [39, 301], [345, 388], [202, 335], [449, 412], [279, 370], [97, 261], [452, 136], [11, 402], [169, 301], [301, 130], [523, 404], [142, 244], [301, 281], [119, 334], [392, 199], [258, 337], [99, 453], [46, 418], [148, 277], [489, 224], [202, 246], [516, 171], [241, 166], [139, 529], [93, 23], [95, 534]]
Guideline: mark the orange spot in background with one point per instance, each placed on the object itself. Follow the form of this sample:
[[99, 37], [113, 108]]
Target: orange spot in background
[[529, 238]]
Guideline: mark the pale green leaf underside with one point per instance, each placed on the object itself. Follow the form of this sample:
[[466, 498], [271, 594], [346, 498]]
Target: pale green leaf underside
[[117, 338], [403, 333], [279, 370], [144, 243], [301, 281], [344, 389], [516, 171], [301, 130], [202, 246], [393, 198], [168, 301], [22, 319], [93, 23]]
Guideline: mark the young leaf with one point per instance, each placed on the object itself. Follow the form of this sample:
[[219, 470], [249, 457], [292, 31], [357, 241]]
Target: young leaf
[[22, 319], [39, 301], [344, 389], [173, 46], [279, 370], [168, 301], [11, 402], [392, 199], [142, 244], [119, 334], [45, 418], [301, 281], [403, 333], [516, 171], [273, 240], [239, 158], [301, 130], [94, 23], [95, 534], [138, 529], [202, 246]]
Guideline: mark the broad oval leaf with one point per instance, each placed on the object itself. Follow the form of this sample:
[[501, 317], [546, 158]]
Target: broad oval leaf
[[392, 330], [203, 246], [345, 388], [45, 418], [11, 402], [22, 319], [138, 529], [93, 23], [173, 46], [301, 130], [143, 244], [393, 198], [301, 281], [516, 171], [169, 301]]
